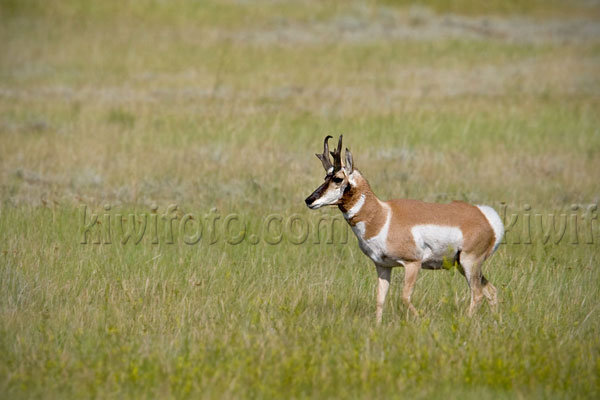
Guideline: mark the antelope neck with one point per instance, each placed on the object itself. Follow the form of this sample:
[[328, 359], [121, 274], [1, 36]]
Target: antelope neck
[[359, 203]]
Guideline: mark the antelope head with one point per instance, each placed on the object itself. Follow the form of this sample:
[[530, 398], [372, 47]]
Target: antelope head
[[337, 180]]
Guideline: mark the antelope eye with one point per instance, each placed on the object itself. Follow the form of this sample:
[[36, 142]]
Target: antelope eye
[[337, 180]]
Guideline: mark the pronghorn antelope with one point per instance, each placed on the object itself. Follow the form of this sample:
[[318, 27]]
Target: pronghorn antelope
[[410, 233]]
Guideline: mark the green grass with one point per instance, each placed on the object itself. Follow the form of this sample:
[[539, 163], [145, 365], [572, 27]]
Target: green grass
[[261, 320], [223, 104]]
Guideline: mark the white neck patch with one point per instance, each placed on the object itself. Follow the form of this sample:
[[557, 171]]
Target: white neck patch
[[355, 208], [375, 247]]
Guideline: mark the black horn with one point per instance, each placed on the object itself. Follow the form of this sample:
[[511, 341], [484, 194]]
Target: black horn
[[325, 156], [337, 155]]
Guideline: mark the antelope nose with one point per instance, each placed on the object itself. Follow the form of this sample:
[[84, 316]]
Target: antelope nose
[[309, 200]]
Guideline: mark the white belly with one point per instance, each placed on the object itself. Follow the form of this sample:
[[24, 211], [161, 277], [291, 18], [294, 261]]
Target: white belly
[[435, 243]]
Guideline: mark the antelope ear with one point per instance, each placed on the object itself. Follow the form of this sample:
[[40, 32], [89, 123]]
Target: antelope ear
[[349, 167]]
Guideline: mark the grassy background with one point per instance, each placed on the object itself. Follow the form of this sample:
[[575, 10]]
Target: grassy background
[[222, 104]]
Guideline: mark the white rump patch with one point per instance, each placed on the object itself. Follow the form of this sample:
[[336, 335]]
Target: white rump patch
[[434, 242], [355, 208], [495, 222]]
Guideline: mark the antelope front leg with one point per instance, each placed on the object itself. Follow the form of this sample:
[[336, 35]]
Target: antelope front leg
[[383, 274], [411, 271]]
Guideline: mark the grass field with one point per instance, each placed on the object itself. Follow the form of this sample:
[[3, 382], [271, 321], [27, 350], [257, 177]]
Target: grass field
[[221, 105]]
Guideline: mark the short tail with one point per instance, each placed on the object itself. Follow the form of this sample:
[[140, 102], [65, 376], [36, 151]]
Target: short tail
[[495, 222]]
